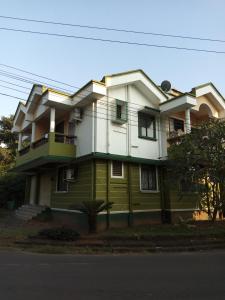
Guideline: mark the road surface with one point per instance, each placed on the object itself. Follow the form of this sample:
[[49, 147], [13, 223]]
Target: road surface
[[155, 276]]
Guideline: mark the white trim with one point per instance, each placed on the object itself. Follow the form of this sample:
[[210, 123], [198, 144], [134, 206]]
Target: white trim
[[104, 212], [183, 209], [66, 210], [157, 183], [127, 211], [120, 177]]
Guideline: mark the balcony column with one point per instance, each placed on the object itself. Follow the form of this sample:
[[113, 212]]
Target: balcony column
[[33, 190], [52, 119], [20, 141], [33, 132], [187, 121]]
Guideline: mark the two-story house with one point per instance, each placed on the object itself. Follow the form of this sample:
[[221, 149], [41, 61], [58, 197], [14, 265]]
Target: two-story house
[[108, 141]]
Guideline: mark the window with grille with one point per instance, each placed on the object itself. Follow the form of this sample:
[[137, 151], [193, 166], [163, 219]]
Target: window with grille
[[117, 169], [148, 178], [176, 124], [146, 126], [121, 113], [62, 185]]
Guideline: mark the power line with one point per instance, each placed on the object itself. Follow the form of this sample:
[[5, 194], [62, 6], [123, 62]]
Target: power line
[[29, 80], [34, 74], [10, 88], [24, 87], [114, 29], [111, 41]]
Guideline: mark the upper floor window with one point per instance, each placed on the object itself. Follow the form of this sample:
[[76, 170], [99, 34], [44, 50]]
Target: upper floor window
[[148, 178], [121, 113], [146, 126], [176, 124], [117, 169]]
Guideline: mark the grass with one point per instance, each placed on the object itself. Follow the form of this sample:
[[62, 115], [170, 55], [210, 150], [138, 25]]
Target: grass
[[106, 241], [201, 229]]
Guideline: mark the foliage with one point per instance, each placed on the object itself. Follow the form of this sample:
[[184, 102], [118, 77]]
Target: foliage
[[45, 215], [199, 158], [12, 187], [8, 144], [6, 136], [92, 209], [59, 233]]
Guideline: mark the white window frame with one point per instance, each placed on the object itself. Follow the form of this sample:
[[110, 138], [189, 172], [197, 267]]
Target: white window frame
[[157, 181], [67, 185], [112, 176]]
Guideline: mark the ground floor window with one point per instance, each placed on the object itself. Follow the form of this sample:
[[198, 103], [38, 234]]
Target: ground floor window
[[117, 169], [62, 184], [148, 178]]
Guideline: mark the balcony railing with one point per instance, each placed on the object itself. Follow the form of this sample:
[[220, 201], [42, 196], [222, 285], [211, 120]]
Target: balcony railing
[[175, 135], [24, 150], [58, 138]]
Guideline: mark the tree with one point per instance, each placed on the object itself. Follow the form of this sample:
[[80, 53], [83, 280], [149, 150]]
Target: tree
[[8, 144], [92, 209], [199, 158]]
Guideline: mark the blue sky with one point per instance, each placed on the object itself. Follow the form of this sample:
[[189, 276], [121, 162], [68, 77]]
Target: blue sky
[[77, 61]]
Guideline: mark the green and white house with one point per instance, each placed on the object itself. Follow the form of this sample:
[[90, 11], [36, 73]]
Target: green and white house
[[108, 141]]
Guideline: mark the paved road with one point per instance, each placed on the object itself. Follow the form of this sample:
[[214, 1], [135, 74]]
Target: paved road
[[158, 276]]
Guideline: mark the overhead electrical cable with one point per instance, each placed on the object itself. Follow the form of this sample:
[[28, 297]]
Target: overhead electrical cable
[[110, 40], [115, 29]]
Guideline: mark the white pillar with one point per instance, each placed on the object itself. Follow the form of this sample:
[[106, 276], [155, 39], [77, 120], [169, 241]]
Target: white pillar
[[20, 141], [33, 132], [33, 189], [52, 119], [187, 121]]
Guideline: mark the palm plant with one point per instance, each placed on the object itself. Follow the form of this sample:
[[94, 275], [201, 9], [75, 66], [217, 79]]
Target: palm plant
[[92, 209]]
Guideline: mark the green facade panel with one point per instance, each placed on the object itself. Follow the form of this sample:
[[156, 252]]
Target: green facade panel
[[78, 191]]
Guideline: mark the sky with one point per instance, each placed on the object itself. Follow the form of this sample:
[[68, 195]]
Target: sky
[[76, 61]]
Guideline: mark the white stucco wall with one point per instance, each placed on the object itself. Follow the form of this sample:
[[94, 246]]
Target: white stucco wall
[[83, 132], [122, 139]]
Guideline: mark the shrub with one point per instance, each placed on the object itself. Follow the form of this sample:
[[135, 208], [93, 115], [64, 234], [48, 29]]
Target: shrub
[[45, 216], [12, 188], [60, 234]]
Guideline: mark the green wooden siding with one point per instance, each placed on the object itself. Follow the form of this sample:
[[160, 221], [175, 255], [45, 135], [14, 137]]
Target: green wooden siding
[[78, 191], [94, 182], [118, 189]]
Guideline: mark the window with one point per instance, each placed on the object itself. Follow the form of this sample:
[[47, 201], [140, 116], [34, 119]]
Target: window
[[117, 169], [121, 112], [146, 126], [62, 185], [148, 178], [176, 124]]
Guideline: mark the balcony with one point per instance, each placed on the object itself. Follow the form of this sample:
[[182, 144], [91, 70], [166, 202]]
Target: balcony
[[52, 148], [175, 136]]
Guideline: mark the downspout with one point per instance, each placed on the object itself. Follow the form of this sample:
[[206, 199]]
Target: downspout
[[159, 135], [107, 193], [130, 216], [128, 121], [107, 123]]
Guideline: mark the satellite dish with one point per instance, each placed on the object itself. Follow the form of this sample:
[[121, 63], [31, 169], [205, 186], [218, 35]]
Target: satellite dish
[[166, 86]]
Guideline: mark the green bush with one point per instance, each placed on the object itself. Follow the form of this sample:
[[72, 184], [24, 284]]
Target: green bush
[[60, 234], [12, 188], [45, 216]]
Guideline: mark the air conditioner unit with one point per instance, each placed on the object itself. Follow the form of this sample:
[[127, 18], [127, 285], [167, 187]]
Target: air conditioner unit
[[76, 115], [69, 174]]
